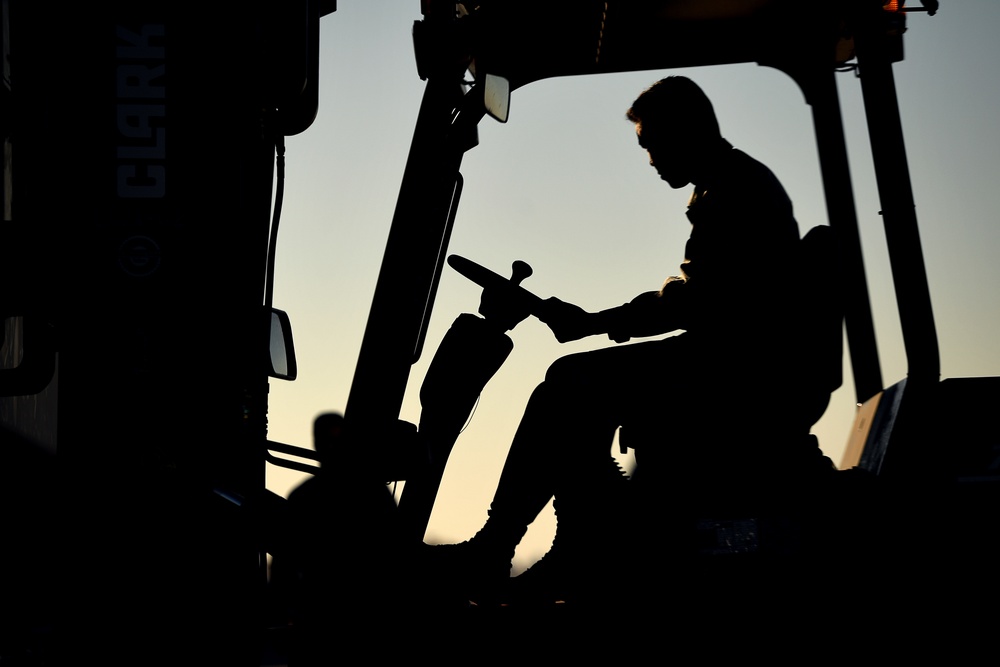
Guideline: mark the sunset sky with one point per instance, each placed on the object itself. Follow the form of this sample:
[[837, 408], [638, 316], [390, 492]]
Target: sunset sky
[[564, 187]]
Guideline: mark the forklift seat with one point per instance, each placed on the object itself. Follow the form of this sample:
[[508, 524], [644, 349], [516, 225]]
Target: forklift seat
[[729, 472]]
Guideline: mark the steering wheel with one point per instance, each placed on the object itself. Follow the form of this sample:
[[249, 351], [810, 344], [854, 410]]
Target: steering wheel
[[509, 290]]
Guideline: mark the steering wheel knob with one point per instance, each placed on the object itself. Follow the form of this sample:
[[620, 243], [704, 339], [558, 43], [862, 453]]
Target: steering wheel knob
[[519, 271]]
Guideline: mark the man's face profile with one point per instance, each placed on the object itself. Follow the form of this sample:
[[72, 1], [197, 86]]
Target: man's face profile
[[667, 160]]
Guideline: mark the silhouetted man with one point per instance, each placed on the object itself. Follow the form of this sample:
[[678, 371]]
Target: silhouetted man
[[683, 398], [304, 553], [342, 549]]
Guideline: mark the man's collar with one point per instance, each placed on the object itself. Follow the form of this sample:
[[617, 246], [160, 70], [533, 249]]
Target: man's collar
[[716, 154]]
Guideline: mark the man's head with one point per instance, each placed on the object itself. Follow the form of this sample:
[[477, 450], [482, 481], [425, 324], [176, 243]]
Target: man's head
[[326, 434], [675, 123]]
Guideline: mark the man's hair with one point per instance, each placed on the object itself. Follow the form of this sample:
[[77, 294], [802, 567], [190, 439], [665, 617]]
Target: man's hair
[[676, 101]]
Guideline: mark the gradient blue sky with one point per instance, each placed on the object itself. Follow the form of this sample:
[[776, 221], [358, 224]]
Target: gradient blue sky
[[564, 187]]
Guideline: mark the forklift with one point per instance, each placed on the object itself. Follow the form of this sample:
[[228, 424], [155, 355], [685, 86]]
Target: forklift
[[138, 289], [899, 483], [502, 53]]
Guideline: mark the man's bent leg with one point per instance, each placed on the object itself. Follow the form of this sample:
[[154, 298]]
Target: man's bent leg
[[563, 444], [563, 447], [564, 438]]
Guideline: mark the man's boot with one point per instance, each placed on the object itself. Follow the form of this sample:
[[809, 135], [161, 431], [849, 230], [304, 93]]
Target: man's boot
[[592, 541], [478, 569]]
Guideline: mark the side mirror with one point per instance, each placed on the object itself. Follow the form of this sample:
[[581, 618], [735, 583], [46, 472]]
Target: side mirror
[[282, 352], [496, 96]]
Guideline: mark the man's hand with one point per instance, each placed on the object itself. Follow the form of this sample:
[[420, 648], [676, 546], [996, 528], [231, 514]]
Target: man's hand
[[500, 307], [568, 322]]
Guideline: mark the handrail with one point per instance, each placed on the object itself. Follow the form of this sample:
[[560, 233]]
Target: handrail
[[291, 450]]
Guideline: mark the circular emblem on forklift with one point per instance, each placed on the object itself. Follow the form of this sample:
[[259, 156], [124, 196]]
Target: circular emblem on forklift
[[139, 256]]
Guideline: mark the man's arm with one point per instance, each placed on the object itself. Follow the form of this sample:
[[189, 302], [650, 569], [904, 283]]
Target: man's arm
[[649, 314]]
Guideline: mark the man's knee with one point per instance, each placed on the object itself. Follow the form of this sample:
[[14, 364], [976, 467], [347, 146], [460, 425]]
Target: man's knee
[[568, 371], [626, 364]]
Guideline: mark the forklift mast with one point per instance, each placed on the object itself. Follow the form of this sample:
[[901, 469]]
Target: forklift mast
[[139, 166]]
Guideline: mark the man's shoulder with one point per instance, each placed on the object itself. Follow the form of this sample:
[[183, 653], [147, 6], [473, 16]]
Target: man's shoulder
[[741, 164], [745, 174]]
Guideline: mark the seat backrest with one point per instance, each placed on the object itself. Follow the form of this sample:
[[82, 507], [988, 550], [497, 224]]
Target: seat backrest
[[801, 392], [820, 318]]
